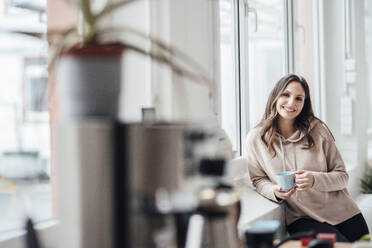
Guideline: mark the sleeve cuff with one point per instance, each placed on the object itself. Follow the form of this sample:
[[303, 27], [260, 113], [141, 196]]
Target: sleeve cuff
[[273, 196]]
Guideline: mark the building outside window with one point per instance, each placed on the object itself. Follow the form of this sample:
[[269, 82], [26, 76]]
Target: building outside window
[[25, 134]]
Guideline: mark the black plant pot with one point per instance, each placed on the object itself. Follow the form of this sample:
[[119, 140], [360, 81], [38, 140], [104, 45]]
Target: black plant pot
[[89, 79]]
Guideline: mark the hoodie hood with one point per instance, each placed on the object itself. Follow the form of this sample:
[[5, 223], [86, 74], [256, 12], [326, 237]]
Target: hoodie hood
[[298, 135]]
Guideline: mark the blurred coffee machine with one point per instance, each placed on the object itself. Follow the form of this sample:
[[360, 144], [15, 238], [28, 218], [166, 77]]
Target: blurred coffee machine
[[214, 223], [147, 157], [164, 174]]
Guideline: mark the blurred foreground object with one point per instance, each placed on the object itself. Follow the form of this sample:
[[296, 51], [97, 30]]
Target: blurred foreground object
[[32, 240], [261, 234]]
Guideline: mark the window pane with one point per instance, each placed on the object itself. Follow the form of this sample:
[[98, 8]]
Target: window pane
[[229, 96], [266, 54], [24, 128], [306, 60]]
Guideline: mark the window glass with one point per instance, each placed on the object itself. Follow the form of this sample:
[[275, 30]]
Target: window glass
[[229, 96], [306, 62], [24, 127], [266, 53]]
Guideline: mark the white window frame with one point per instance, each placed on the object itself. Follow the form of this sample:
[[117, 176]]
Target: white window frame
[[319, 59], [237, 80], [243, 62]]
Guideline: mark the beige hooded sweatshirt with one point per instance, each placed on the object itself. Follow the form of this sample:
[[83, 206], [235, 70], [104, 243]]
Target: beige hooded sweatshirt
[[328, 200]]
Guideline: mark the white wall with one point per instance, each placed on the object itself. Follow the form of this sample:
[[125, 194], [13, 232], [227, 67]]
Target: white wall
[[136, 82], [191, 26], [188, 26], [352, 146]]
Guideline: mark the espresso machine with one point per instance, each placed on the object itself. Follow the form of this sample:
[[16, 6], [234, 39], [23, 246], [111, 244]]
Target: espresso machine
[[214, 222], [148, 157], [168, 189]]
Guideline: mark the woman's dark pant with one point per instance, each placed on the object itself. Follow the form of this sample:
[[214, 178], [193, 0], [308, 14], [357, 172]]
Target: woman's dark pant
[[348, 231]]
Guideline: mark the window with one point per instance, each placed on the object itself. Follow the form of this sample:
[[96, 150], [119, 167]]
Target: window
[[228, 71], [35, 88], [255, 47], [25, 141], [266, 53], [306, 51]]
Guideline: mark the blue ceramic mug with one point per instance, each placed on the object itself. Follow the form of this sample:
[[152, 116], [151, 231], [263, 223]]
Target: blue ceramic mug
[[286, 180]]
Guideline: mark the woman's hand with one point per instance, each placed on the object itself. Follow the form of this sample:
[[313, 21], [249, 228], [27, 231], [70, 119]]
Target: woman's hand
[[304, 180], [282, 195]]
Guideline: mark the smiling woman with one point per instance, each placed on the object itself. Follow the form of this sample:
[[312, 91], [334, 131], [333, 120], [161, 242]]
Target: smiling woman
[[291, 138]]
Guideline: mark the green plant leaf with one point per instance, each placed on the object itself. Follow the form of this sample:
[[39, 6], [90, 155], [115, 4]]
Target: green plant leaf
[[366, 182]]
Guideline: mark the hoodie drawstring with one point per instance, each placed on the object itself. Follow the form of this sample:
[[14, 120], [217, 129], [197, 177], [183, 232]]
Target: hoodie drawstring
[[283, 153]]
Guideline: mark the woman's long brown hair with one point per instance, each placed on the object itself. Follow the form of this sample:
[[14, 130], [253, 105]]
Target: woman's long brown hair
[[269, 122]]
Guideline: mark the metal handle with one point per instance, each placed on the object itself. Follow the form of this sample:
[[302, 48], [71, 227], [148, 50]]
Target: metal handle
[[301, 29], [248, 10]]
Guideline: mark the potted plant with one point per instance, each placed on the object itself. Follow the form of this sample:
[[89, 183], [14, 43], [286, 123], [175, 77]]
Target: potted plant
[[366, 182], [89, 68], [364, 200]]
